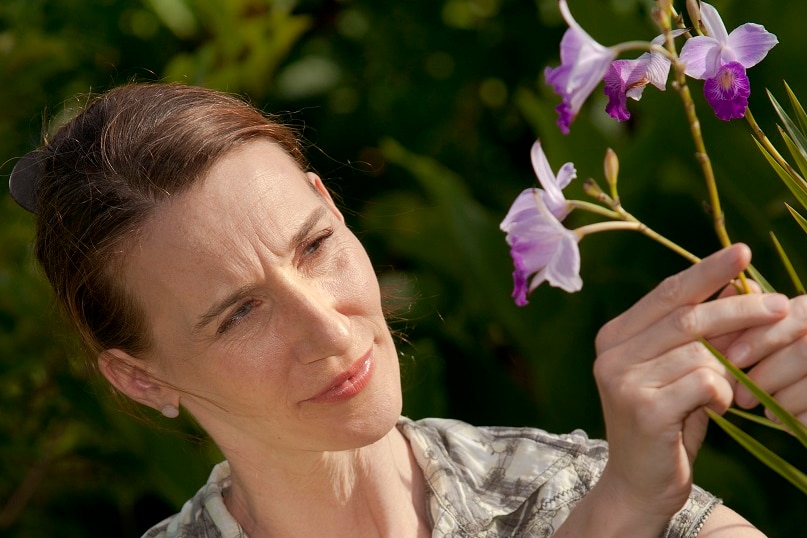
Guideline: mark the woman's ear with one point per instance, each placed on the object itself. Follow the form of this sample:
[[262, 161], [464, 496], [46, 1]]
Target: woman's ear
[[130, 377], [319, 186]]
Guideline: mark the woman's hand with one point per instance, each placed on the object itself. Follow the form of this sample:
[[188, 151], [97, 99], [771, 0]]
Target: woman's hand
[[777, 355], [656, 380]]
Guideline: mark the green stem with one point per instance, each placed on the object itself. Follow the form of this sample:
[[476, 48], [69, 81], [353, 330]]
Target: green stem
[[701, 155], [638, 227], [703, 158], [593, 208]]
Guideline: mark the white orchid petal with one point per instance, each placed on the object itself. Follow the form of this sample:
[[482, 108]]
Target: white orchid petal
[[566, 174], [701, 56], [658, 69], [750, 43], [710, 19], [553, 196], [563, 270]]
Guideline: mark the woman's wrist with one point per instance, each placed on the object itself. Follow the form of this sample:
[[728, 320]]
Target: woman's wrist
[[611, 509]]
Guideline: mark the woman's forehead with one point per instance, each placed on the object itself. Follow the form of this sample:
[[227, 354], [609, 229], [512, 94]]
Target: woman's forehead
[[255, 198], [257, 184]]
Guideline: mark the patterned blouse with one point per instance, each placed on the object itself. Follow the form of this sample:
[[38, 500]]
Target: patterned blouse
[[480, 482]]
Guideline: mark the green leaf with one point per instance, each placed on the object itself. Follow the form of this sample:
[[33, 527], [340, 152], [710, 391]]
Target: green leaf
[[759, 279], [797, 216], [801, 116], [795, 151], [796, 185], [792, 128], [764, 421], [798, 429], [762, 453], [794, 277]]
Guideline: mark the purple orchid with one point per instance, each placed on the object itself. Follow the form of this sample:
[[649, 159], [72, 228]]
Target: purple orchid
[[539, 244], [552, 185], [721, 59], [628, 78], [583, 64], [541, 247]]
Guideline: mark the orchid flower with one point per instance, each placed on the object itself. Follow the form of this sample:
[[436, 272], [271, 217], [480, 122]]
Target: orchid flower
[[721, 59], [541, 247], [552, 185], [628, 78], [583, 64]]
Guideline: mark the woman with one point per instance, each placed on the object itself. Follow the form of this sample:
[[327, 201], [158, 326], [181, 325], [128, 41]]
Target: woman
[[206, 269]]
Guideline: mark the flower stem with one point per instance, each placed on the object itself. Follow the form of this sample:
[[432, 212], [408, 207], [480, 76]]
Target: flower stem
[[638, 227], [701, 155], [593, 208]]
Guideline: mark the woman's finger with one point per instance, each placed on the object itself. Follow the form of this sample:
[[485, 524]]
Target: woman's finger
[[794, 399], [689, 287], [708, 320], [776, 374], [757, 343]]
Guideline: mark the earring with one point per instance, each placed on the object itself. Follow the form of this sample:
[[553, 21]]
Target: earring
[[170, 411]]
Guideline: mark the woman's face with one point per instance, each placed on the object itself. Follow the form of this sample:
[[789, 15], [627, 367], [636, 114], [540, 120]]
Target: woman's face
[[265, 309]]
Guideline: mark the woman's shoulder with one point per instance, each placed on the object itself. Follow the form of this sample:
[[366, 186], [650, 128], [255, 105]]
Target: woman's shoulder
[[204, 514], [527, 441]]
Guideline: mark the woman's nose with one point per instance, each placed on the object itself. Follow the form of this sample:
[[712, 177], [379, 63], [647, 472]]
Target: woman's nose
[[317, 328]]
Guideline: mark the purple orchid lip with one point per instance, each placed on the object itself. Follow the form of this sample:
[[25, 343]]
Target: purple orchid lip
[[727, 92]]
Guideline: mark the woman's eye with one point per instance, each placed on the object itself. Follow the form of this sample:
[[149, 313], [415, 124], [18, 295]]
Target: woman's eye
[[313, 246], [242, 312]]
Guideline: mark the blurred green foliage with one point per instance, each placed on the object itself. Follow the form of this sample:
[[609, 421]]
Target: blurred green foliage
[[421, 115]]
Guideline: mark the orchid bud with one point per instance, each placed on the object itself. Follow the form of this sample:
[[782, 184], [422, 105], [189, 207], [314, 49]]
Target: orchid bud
[[611, 168], [664, 6], [694, 11], [591, 188]]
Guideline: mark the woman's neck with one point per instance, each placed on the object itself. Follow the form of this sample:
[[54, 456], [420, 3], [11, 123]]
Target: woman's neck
[[376, 490]]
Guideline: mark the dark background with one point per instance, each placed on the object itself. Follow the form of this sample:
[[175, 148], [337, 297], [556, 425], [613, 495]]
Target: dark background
[[420, 114]]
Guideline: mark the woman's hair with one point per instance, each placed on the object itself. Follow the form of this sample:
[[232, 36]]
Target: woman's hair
[[104, 174]]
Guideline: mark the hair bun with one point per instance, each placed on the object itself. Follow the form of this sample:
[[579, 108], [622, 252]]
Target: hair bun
[[24, 180]]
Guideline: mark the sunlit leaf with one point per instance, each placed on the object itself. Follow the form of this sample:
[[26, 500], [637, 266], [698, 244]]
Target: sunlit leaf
[[796, 187], [794, 277], [762, 453], [793, 424], [758, 419], [798, 137], [797, 216], [801, 116], [760, 279]]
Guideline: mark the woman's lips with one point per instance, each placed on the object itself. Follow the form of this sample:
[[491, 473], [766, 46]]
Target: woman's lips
[[349, 383]]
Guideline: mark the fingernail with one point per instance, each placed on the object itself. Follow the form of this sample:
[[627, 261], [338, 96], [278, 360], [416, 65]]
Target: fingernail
[[738, 353], [744, 398], [775, 303]]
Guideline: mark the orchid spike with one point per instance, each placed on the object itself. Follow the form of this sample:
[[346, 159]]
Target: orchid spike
[[583, 64], [541, 247], [552, 185], [710, 58]]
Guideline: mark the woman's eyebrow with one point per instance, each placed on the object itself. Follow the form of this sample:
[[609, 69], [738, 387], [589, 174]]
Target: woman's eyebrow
[[215, 311], [306, 226]]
